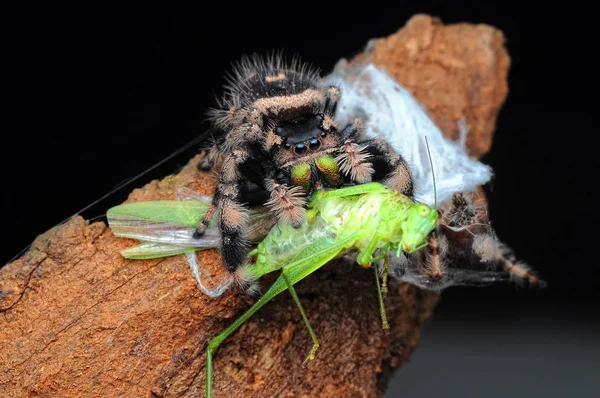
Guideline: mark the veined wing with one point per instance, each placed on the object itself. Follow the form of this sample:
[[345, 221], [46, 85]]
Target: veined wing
[[166, 222], [166, 228]]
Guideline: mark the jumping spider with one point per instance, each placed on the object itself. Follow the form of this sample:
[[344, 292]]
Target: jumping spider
[[276, 141]]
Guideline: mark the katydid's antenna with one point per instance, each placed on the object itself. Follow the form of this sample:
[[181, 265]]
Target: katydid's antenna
[[432, 174]]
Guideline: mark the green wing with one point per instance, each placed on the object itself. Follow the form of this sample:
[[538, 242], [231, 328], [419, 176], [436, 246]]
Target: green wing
[[166, 226]]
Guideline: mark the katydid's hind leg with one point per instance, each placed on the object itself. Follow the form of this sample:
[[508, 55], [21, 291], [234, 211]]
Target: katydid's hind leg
[[315, 346], [306, 262], [277, 287]]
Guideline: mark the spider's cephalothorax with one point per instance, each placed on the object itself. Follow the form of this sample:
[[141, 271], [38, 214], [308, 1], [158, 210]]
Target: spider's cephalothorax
[[276, 141]]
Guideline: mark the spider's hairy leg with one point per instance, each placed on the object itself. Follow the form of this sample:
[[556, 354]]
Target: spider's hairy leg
[[352, 130], [212, 139], [467, 222], [242, 134], [332, 97], [287, 202], [210, 158], [353, 158], [233, 216], [463, 211], [489, 249], [435, 256], [390, 167]]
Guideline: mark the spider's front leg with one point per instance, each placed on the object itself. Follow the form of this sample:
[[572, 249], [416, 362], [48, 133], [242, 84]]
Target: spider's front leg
[[373, 160], [353, 159], [231, 213], [390, 167]]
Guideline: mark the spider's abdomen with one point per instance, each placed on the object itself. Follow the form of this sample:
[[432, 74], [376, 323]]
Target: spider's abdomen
[[255, 78]]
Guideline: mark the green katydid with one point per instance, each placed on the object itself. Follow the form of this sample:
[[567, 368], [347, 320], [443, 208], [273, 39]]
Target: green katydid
[[371, 219]]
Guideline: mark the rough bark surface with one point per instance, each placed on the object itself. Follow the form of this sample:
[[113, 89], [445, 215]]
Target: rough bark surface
[[78, 320], [456, 71]]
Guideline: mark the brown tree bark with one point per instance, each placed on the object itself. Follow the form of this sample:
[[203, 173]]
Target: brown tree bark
[[78, 320]]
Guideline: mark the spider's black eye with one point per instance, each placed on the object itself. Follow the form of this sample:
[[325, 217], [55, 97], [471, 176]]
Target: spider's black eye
[[323, 134], [300, 149], [314, 144]]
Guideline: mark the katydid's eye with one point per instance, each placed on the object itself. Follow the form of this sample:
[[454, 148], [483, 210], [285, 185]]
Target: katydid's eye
[[423, 210], [314, 144], [300, 149]]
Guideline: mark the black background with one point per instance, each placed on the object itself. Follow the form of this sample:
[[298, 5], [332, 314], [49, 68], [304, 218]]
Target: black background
[[97, 94]]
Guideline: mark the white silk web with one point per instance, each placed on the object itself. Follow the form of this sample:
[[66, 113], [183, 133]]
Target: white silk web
[[391, 112]]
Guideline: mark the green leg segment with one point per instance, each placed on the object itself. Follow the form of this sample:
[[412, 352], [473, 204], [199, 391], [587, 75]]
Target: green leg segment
[[386, 266], [306, 262], [278, 287], [366, 258], [384, 321], [360, 189], [315, 346]]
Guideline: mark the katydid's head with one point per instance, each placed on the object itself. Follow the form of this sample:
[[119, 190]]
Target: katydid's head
[[420, 221]]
